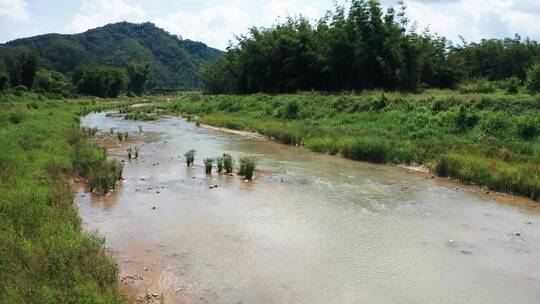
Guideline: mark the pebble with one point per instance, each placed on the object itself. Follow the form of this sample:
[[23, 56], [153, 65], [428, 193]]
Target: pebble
[[467, 252], [516, 234]]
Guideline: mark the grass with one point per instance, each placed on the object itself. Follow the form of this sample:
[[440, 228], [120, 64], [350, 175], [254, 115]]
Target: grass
[[219, 164], [45, 255], [386, 127], [228, 163], [190, 157], [247, 167], [208, 164]]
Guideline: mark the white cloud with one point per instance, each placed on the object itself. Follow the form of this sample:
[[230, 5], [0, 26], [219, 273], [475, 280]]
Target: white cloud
[[94, 13], [477, 19], [214, 25], [218, 24], [14, 9]]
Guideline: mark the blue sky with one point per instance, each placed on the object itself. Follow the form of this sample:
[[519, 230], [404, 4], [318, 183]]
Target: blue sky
[[215, 22]]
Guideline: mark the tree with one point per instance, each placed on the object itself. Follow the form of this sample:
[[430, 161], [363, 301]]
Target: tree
[[4, 77], [28, 66], [138, 75], [100, 81]]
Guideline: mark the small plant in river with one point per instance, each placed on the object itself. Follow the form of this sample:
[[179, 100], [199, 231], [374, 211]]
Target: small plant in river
[[228, 163], [126, 135], [219, 163], [247, 167], [111, 130], [140, 129], [136, 152], [208, 164], [190, 157], [129, 151], [120, 136]]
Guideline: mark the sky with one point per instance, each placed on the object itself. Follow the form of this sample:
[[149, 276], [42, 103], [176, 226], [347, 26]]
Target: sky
[[216, 22]]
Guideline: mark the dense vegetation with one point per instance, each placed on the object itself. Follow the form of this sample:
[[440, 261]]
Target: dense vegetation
[[362, 48], [173, 62], [488, 139], [45, 256]]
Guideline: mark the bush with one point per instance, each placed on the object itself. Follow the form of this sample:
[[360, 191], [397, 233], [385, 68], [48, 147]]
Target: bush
[[247, 167], [366, 149], [379, 103], [291, 109], [511, 85], [481, 86], [527, 127], [532, 83]]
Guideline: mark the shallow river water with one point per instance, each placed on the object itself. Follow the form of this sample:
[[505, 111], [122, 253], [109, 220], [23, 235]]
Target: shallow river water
[[311, 228]]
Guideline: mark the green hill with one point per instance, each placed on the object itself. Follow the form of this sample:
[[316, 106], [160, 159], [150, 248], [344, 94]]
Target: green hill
[[175, 62]]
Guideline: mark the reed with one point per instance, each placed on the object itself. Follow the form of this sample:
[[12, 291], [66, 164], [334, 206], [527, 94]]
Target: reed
[[219, 163], [247, 167], [190, 157], [208, 164], [228, 163]]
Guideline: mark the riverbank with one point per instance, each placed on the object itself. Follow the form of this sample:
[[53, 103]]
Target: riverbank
[[491, 140], [46, 256]]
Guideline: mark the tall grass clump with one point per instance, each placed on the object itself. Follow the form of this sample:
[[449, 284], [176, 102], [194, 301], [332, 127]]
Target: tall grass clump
[[190, 157], [120, 136], [208, 164], [247, 167], [219, 164], [228, 163]]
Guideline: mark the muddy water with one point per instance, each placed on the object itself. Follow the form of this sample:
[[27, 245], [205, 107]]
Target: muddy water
[[311, 229]]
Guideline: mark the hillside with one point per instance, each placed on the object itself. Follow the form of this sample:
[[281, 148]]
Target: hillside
[[175, 62]]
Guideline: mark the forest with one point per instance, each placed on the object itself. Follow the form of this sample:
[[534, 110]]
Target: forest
[[361, 47]]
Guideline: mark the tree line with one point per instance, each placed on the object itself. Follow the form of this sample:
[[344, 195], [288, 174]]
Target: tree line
[[21, 72], [361, 47]]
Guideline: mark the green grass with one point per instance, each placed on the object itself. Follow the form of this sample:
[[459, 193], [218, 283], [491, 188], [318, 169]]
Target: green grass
[[383, 127], [45, 255], [190, 157], [247, 167]]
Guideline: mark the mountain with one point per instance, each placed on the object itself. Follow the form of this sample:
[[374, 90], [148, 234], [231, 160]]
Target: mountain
[[175, 62]]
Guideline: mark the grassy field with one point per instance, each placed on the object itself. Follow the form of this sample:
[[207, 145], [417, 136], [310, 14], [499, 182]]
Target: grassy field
[[45, 257], [488, 139]]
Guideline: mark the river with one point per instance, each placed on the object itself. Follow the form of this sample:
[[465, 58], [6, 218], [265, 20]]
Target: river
[[311, 228]]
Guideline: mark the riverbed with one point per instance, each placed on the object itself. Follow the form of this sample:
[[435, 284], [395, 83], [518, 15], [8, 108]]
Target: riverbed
[[311, 228]]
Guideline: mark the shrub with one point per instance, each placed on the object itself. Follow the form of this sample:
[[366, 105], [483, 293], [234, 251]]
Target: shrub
[[228, 163], [247, 167], [190, 157], [532, 83], [208, 164], [527, 127], [291, 109], [481, 86], [379, 103], [511, 85], [366, 149]]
